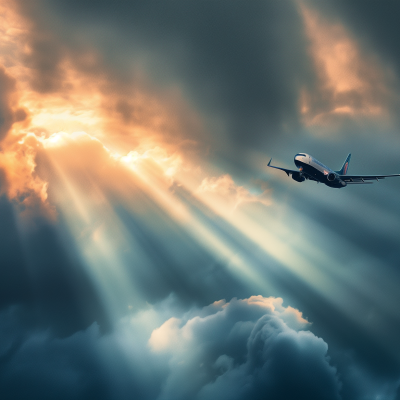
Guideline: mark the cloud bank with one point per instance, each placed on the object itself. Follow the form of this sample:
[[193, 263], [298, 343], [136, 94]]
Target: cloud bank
[[254, 348]]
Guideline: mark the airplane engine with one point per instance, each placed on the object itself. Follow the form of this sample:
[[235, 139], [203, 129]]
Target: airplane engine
[[298, 177], [331, 177]]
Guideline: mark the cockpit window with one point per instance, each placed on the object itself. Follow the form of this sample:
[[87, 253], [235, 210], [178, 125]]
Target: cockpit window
[[300, 155]]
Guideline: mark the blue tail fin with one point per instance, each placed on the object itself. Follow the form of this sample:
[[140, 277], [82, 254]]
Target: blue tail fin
[[345, 167]]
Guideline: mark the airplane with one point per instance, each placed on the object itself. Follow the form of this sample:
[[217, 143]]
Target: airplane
[[311, 169]]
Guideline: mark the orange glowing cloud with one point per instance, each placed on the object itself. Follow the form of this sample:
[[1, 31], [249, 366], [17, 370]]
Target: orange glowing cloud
[[351, 83], [82, 130], [145, 118], [92, 169], [90, 164], [20, 181], [290, 315], [43, 173], [130, 131], [12, 28], [166, 336], [71, 89]]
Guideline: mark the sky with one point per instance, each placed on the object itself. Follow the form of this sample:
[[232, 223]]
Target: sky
[[146, 249]]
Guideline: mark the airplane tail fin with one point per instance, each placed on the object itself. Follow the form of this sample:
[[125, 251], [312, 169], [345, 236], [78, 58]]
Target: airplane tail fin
[[345, 167]]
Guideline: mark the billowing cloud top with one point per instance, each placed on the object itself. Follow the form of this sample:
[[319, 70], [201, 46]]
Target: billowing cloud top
[[244, 348]]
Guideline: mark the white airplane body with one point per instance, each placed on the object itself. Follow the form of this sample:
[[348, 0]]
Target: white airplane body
[[310, 168]]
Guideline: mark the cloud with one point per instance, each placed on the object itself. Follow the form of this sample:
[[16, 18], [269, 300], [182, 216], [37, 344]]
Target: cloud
[[20, 181], [375, 28], [353, 83], [82, 163], [244, 349], [9, 110], [67, 84], [39, 366], [122, 211], [39, 172], [240, 349], [125, 211], [231, 62], [198, 85]]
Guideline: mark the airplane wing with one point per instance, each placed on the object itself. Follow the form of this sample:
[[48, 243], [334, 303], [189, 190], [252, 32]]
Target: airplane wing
[[291, 171], [360, 179], [288, 171]]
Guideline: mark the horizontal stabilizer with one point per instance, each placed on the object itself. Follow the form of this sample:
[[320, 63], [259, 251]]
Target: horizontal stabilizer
[[362, 178]]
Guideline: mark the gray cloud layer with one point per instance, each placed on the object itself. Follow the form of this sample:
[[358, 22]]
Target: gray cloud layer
[[237, 350], [242, 64]]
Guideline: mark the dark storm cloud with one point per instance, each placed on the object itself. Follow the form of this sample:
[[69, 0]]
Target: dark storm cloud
[[35, 365], [241, 62], [232, 350], [259, 356]]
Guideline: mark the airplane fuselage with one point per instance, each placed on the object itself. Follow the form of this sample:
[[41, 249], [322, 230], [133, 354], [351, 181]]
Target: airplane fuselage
[[310, 168]]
